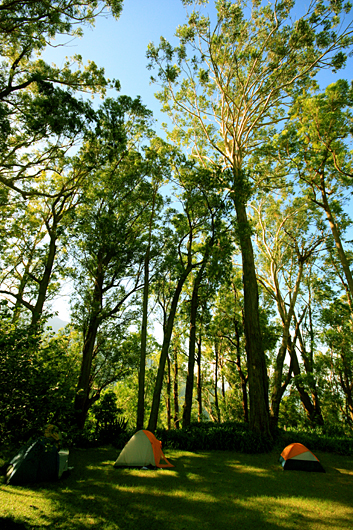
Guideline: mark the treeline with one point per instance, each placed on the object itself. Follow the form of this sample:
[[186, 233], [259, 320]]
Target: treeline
[[231, 234]]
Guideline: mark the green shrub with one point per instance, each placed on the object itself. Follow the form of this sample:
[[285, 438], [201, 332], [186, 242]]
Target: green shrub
[[318, 441], [238, 437], [108, 421], [37, 381], [215, 436]]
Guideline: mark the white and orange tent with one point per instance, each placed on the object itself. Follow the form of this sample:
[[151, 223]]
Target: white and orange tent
[[142, 450], [297, 457]]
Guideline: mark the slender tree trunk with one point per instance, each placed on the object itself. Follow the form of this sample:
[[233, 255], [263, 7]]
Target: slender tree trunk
[[45, 280], [82, 402], [176, 391], [218, 415], [256, 360], [189, 387], [304, 396], [21, 289], [347, 388], [243, 378], [169, 412], [279, 386], [199, 380], [308, 358], [152, 424], [142, 368]]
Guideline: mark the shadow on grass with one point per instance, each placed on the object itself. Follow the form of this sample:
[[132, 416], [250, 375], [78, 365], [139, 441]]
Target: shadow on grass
[[204, 491]]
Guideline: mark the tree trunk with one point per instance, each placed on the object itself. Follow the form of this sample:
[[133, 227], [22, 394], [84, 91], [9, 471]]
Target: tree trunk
[[199, 381], [304, 396], [45, 280], [243, 378], [218, 415], [256, 361], [176, 391], [142, 368], [152, 424], [338, 242], [169, 412], [82, 402], [279, 386], [189, 387]]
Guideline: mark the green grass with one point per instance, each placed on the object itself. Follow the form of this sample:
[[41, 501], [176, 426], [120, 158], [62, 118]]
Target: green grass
[[204, 491]]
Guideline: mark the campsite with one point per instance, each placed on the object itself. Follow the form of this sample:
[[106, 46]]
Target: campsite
[[205, 490], [176, 265]]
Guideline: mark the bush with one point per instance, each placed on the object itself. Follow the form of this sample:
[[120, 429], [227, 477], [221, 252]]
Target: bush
[[238, 437], [37, 381], [315, 440], [109, 423], [215, 436]]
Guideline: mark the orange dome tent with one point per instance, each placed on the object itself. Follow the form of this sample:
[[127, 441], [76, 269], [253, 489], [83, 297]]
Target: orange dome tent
[[143, 449], [297, 456]]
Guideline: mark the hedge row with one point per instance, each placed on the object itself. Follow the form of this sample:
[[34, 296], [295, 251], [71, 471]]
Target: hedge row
[[237, 437], [215, 437], [316, 441]]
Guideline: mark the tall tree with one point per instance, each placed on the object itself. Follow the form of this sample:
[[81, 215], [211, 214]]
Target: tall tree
[[316, 143], [287, 243], [157, 157], [106, 233], [185, 252], [229, 84]]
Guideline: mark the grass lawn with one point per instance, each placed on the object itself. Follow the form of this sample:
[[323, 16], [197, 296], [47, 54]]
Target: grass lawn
[[204, 491]]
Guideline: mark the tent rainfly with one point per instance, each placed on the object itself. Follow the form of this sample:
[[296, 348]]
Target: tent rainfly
[[39, 460], [142, 450], [297, 457]]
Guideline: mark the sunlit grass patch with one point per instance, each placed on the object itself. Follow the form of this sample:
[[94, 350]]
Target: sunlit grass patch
[[204, 491]]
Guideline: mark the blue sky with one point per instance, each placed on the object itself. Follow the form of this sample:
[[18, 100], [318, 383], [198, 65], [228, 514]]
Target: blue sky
[[120, 47]]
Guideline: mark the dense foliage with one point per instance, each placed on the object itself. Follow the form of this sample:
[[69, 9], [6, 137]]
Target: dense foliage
[[210, 274]]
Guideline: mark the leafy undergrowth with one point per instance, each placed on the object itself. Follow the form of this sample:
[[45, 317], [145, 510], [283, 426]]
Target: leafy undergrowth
[[235, 436], [206, 490]]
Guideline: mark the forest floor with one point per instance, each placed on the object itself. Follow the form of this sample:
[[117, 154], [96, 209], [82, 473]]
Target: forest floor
[[215, 490]]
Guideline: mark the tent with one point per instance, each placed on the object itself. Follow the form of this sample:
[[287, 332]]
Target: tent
[[297, 456], [39, 460], [143, 449]]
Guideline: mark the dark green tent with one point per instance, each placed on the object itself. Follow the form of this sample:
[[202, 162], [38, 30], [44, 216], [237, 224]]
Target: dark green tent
[[35, 462]]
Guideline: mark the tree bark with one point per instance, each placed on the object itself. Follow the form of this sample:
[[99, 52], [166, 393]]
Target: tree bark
[[142, 368], [243, 378], [169, 412], [256, 361], [304, 396], [199, 381], [152, 424], [82, 401], [45, 280], [176, 391], [218, 414], [279, 386], [189, 387]]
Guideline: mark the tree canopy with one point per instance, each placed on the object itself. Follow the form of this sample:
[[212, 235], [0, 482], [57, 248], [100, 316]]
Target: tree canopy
[[210, 271]]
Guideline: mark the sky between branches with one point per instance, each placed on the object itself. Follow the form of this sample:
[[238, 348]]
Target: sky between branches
[[119, 46]]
